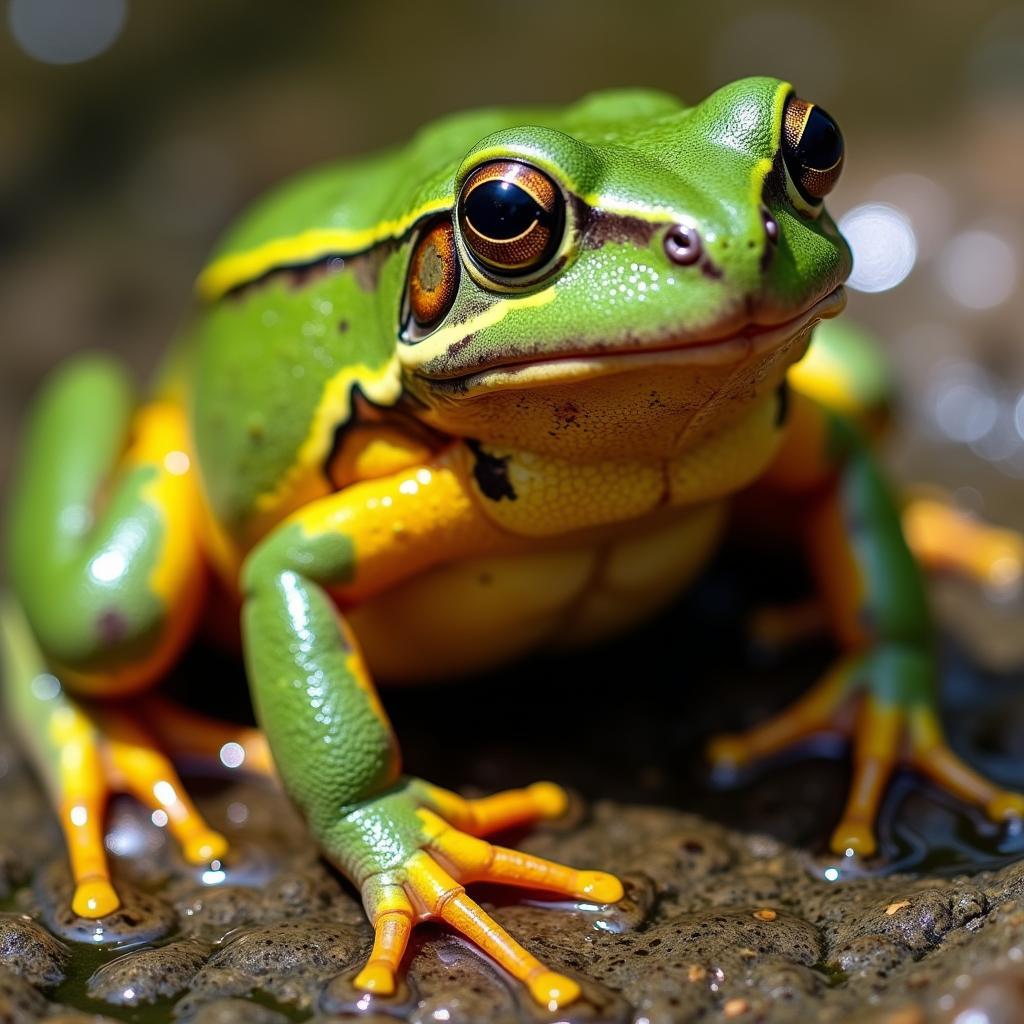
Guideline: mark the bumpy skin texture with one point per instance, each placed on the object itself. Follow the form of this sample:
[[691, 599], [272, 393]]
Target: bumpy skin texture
[[544, 462]]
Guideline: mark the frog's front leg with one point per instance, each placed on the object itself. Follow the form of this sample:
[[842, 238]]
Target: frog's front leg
[[875, 598], [108, 575], [406, 844]]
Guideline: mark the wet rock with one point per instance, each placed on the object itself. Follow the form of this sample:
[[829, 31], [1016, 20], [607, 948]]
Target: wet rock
[[20, 1003], [210, 985], [290, 960], [448, 976], [696, 937], [148, 975], [237, 1011], [141, 917], [31, 952], [919, 919], [210, 912], [676, 861], [872, 957], [716, 925]]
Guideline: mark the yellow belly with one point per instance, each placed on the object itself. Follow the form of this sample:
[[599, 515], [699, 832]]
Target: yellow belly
[[479, 613]]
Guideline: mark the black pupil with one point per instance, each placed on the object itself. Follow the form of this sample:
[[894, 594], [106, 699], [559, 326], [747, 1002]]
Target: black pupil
[[501, 210], [821, 144]]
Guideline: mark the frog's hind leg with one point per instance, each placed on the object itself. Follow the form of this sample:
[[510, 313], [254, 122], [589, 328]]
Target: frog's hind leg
[[946, 539], [106, 564], [137, 765], [104, 540], [64, 745], [189, 735], [872, 588], [84, 753]]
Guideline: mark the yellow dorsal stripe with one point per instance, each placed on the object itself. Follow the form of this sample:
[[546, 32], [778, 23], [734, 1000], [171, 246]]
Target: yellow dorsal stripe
[[239, 267]]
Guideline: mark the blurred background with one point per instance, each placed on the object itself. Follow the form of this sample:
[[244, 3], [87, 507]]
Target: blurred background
[[131, 134]]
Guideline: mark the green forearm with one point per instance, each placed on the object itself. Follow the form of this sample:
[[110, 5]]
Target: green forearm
[[331, 741]]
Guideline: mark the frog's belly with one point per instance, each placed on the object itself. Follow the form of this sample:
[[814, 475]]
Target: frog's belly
[[481, 612]]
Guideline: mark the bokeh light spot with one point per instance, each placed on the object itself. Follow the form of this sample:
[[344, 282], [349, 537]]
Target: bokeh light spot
[[884, 246], [65, 31], [978, 269]]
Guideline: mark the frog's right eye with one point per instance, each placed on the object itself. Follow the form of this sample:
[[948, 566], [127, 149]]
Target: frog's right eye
[[433, 274], [812, 148], [511, 216]]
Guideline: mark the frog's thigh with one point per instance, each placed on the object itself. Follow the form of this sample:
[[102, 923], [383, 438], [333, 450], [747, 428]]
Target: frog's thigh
[[111, 597]]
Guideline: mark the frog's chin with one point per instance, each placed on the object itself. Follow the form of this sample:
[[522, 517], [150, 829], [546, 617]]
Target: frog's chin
[[749, 343]]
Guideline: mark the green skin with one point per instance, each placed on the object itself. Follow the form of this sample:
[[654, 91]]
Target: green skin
[[256, 366]]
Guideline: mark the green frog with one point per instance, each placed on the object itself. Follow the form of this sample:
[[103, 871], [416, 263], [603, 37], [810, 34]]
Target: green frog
[[491, 391]]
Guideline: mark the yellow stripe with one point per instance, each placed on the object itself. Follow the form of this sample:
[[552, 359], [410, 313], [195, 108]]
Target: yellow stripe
[[382, 386], [230, 271], [413, 356]]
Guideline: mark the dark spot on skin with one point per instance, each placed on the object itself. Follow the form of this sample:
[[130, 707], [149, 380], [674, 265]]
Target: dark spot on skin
[[485, 579], [566, 413], [782, 409], [457, 346], [709, 269], [491, 473], [342, 326], [112, 627]]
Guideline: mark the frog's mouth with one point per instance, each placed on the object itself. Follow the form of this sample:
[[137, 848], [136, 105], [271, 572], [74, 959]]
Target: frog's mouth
[[564, 367]]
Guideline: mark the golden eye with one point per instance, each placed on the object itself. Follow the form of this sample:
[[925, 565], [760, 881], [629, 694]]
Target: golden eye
[[433, 274], [511, 216], [812, 147]]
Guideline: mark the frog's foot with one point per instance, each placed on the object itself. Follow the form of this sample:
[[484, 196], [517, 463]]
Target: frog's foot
[[944, 538], [119, 756], [429, 885], [485, 815], [895, 722]]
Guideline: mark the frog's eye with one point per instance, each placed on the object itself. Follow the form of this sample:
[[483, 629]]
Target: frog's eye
[[812, 148], [511, 216], [433, 274]]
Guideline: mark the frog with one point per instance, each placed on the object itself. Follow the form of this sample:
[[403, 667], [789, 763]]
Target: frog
[[494, 391]]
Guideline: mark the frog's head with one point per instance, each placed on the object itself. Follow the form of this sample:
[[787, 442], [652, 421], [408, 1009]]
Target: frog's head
[[626, 272]]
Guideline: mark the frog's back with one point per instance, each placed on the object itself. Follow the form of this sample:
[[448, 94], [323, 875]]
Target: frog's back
[[351, 205]]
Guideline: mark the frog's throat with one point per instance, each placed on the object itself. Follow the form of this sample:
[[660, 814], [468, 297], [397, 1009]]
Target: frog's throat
[[565, 367]]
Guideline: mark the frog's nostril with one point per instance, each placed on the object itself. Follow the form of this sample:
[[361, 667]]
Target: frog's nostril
[[771, 226], [682, 244]]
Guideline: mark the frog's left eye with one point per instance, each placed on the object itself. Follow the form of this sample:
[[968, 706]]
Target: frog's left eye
[[511, 216], [812, 147]]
